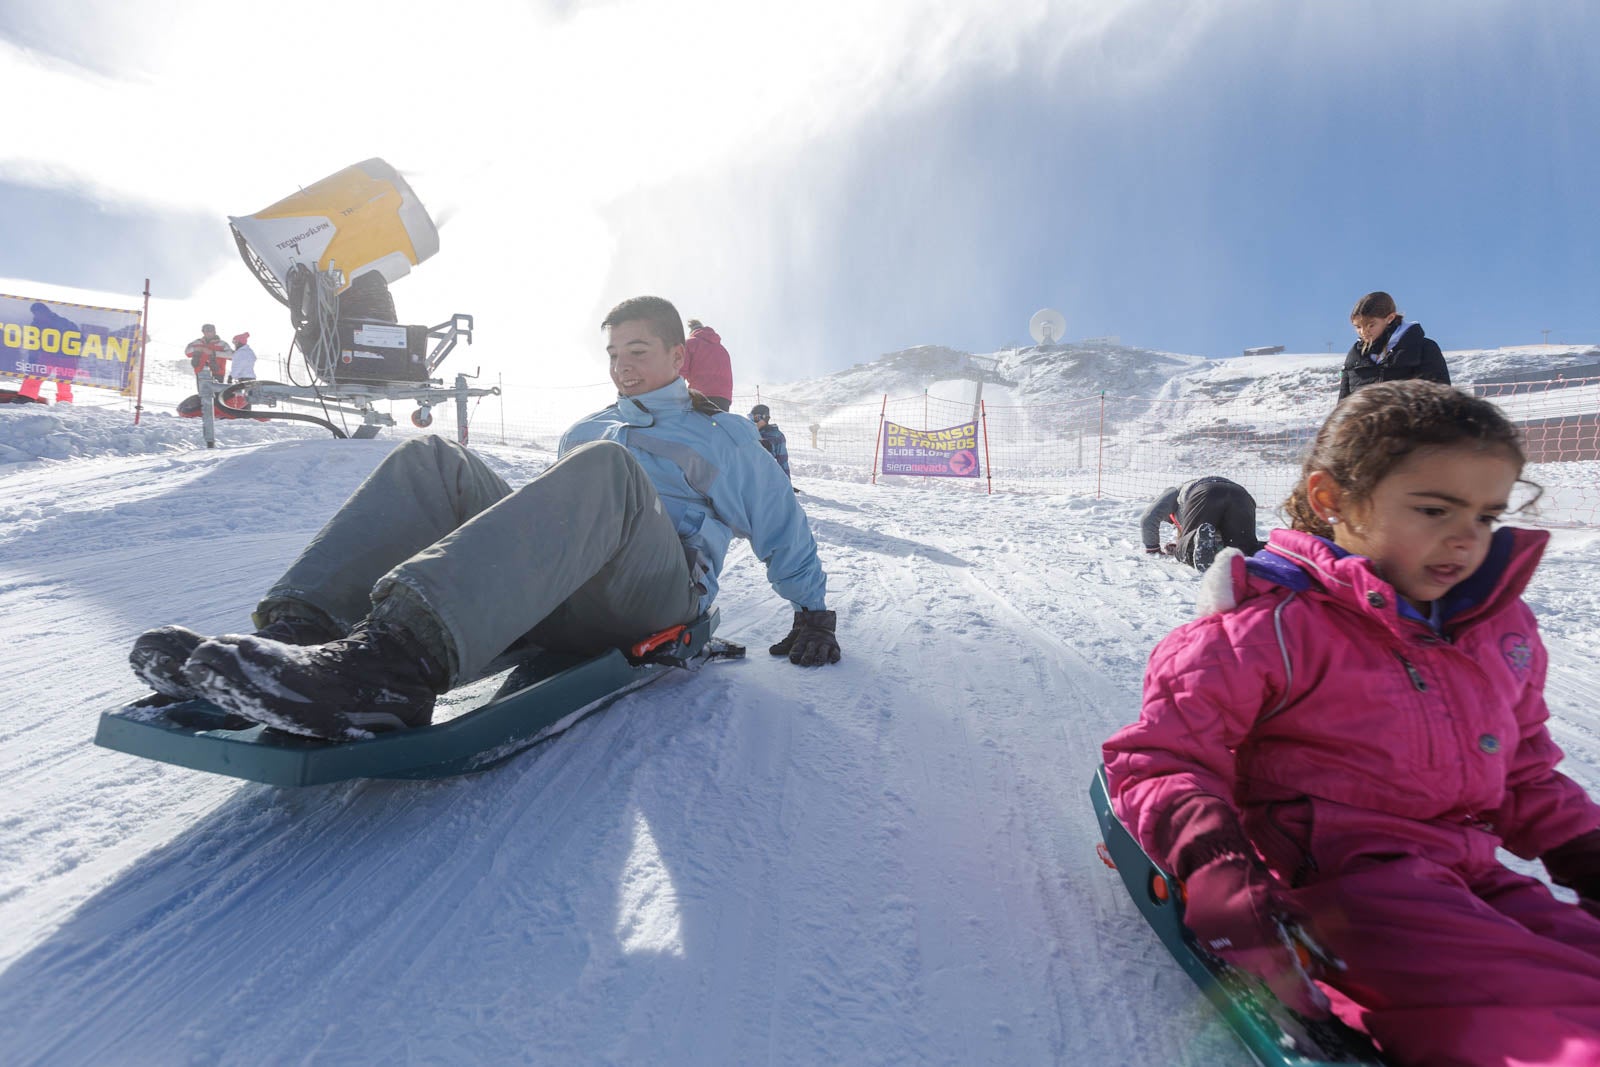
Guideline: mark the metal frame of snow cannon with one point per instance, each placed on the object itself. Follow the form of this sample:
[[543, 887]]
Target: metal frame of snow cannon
[[544, 695], [1274, 1035], [318, 293]]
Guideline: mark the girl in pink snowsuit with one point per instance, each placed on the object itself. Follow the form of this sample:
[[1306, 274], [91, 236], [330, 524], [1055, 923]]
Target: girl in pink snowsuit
[[1330, 757]]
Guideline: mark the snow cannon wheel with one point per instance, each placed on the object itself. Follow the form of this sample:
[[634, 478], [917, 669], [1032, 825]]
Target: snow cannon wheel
[[422, 418]]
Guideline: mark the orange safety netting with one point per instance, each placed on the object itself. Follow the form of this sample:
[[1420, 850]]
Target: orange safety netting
[[1133, 448]]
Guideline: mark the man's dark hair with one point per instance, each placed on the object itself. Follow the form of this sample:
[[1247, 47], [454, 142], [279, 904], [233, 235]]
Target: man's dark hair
[[695, 324], [663, 318]]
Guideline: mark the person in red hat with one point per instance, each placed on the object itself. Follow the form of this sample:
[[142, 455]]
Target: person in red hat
[[244, 359]]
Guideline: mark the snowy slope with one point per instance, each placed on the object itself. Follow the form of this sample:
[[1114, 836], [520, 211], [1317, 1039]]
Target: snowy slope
[[889, 861]]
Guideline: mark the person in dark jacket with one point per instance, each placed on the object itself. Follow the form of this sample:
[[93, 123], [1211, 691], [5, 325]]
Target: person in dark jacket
[[772, 438], [1211, 514], [1388, 349]]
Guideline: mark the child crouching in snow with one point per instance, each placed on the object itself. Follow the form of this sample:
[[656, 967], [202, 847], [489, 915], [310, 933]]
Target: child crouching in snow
[[1333, 753]]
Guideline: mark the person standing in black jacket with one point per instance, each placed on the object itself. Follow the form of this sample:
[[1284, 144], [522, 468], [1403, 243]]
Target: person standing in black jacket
[[1389, 348]]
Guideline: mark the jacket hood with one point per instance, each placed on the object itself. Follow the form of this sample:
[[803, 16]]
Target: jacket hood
[[708, 333], [1300, 561]]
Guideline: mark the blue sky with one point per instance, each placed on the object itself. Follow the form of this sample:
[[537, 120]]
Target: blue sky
[[1194, 177]]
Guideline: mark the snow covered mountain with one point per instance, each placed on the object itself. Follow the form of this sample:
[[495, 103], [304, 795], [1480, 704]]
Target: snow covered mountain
[[1052, 373], [889, 861], [1043, 372]]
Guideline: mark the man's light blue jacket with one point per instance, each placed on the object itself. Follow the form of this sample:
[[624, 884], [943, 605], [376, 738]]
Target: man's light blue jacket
[[717, 483]]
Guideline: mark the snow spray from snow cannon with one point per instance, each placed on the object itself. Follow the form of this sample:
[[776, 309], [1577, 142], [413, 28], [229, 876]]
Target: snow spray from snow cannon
[[363, 218]]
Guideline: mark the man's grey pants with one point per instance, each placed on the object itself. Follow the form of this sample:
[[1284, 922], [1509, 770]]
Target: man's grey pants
[[1227, 506], [582, 558]]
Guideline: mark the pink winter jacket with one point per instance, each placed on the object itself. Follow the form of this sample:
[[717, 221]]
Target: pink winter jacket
[[1304, 681], [706, 366]]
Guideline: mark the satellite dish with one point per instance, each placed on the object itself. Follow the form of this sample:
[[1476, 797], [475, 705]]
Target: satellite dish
[[1048, 326]]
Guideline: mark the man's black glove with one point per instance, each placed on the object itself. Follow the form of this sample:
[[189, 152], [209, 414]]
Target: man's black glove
[[1576, 865], [810, 643]]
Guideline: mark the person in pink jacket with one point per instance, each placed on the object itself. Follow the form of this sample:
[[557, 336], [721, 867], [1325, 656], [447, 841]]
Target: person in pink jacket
[[1330, 756], [706, 366]]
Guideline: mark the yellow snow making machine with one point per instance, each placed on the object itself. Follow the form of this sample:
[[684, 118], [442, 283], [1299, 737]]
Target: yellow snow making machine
[[329, 253]]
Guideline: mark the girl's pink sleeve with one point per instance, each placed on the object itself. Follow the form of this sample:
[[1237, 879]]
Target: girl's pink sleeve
[[1543, 808], [1201, 697]]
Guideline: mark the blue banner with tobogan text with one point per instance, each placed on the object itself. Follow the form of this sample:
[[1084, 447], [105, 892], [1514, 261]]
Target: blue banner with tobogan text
[[68, 342]]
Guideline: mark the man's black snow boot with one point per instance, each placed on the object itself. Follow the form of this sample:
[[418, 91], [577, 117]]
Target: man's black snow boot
[[378, 678], [158, 655], [1207, 543]]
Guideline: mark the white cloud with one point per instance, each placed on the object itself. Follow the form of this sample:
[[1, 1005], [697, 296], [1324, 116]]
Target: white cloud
[[520, 125]]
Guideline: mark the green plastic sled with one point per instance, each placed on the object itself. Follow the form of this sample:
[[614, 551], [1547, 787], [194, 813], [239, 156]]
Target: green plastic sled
[[496, 717], [1274, 1035]]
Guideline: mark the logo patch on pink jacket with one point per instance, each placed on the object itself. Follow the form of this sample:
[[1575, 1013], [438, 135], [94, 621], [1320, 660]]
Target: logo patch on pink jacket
[[1517, 651]]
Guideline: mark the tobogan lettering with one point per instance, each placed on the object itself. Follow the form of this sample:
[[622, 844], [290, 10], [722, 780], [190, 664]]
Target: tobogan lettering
[[66, 342]]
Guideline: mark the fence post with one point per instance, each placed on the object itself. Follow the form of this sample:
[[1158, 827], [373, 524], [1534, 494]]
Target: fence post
[[144, 347], [925, 425], [1100, 460], [876, 441], [988, 466]]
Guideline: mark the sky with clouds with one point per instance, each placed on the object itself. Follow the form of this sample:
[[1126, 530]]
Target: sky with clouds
[[830, 184]]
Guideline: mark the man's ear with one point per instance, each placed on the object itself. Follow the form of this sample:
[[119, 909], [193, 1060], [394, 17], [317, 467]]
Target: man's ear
[[1325, 495], [678, 354]]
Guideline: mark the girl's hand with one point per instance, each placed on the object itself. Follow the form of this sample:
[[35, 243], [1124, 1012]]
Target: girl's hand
[[1236, 908], [1236, 912], [1576, 865]]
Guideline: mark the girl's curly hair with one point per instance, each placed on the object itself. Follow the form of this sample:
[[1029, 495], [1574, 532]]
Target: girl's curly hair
[[1377, 426]]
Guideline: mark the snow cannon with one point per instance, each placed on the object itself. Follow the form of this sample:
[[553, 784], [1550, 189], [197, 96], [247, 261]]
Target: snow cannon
[[328, 253], [361, 219]]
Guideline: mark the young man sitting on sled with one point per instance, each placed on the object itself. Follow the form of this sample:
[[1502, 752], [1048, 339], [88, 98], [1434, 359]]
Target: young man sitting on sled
[[435, 565]]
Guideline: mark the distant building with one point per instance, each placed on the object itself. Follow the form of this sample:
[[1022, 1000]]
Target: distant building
[[1264, 350]]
